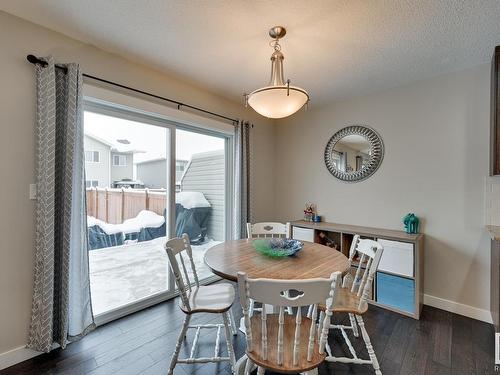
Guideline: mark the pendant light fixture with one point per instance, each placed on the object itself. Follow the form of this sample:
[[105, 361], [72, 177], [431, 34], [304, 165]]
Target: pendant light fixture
[[278, 99]]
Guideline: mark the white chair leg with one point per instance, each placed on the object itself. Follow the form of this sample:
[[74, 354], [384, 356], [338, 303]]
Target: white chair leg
[[249, 366], [369, 346], [242, 325], [180, 339], [234, 329], [229, 341], [354, 325], [250, 308]]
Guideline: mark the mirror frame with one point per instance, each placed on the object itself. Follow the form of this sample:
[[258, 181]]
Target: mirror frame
[[376, 150]]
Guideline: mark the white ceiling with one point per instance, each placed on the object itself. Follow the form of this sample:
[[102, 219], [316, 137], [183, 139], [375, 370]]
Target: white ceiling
[[334, 49]]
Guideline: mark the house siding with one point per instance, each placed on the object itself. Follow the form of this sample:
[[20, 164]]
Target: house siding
[[126, 172], [153, 174], [206, 174], [97, 171]]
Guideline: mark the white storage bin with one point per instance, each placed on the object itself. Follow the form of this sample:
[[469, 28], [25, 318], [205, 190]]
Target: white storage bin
[[397, 258], [303, 234]]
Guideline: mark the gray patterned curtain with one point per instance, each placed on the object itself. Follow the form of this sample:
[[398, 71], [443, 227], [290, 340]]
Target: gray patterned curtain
[[242, 207], [61, 310]]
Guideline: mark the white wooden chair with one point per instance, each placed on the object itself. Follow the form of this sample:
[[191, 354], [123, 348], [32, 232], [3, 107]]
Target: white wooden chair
[[196, 298], [280, 342], [269, 230], [353, 299]]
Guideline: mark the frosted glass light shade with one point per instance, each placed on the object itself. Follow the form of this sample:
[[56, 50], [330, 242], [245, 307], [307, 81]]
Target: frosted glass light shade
[[273, 101]]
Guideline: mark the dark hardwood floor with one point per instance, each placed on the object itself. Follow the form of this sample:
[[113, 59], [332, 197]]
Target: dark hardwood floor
[[142, 343]]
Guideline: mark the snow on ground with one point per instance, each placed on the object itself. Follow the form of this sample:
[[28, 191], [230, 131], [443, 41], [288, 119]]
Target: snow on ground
[[124, 274], [144, 219]]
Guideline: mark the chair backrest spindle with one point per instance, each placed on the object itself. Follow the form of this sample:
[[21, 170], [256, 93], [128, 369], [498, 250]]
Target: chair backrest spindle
[[186, 276], [281, 329], [312, 333], [296, 340], [245, 305], [263, 316]]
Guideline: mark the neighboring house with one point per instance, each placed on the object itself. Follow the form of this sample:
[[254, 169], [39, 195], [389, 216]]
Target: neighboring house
[[97, 160], [153, 173], [206, 173], [106, 162], [122, 165]]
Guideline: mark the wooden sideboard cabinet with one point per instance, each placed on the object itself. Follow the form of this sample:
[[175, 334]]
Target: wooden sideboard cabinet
[[399, 282]]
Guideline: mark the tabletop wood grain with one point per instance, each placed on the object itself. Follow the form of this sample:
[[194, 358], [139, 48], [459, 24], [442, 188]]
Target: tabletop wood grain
[[314, 260]]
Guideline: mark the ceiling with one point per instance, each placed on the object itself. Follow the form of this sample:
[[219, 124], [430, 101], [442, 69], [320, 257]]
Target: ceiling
[[334, 49]]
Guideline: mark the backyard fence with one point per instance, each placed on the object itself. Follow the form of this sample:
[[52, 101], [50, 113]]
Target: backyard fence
[[116, 205]]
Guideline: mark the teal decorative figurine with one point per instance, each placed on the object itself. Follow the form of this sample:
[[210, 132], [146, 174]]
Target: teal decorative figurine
[[411, 223]]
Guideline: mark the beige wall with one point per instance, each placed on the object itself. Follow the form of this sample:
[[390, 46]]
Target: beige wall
[[436, 138], [17, 147]]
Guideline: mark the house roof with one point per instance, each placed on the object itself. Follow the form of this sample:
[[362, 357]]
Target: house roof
[[159, 159]]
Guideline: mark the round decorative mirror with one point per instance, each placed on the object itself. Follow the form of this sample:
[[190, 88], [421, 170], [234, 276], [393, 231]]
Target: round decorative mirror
[[354, 153]]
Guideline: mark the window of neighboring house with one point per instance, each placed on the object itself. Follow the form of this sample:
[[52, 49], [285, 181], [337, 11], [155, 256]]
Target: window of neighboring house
[[91, 183], [92, 156], [120, 160]]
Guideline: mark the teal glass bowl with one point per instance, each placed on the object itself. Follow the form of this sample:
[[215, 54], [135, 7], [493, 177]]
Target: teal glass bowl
[[277, 247]]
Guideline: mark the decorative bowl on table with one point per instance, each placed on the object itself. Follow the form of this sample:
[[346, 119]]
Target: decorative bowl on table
[[277, 247]]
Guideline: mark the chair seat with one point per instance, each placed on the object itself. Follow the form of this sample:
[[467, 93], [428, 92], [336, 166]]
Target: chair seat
[[347, 302], [217, 298], [288, 338]]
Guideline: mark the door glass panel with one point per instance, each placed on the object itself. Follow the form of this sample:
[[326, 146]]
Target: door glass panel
[[126, 218], [200, 199]]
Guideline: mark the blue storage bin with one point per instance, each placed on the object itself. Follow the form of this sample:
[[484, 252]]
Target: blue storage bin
[[396, 291]]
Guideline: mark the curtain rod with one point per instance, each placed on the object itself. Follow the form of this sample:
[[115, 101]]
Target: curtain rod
[[35, 60]]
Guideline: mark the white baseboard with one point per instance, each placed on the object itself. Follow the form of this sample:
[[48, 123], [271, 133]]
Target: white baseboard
[[16, 355], [458, 308]]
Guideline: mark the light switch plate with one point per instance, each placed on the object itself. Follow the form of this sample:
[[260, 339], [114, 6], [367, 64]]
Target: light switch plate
[[33, 191]]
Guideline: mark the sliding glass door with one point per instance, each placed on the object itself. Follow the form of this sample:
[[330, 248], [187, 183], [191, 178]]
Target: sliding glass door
[[148, 180]]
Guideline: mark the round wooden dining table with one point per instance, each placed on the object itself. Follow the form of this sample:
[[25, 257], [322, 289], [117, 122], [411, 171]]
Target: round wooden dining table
[[314, 260]]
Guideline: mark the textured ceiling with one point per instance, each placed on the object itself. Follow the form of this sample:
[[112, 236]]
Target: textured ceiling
[[334, 49]]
